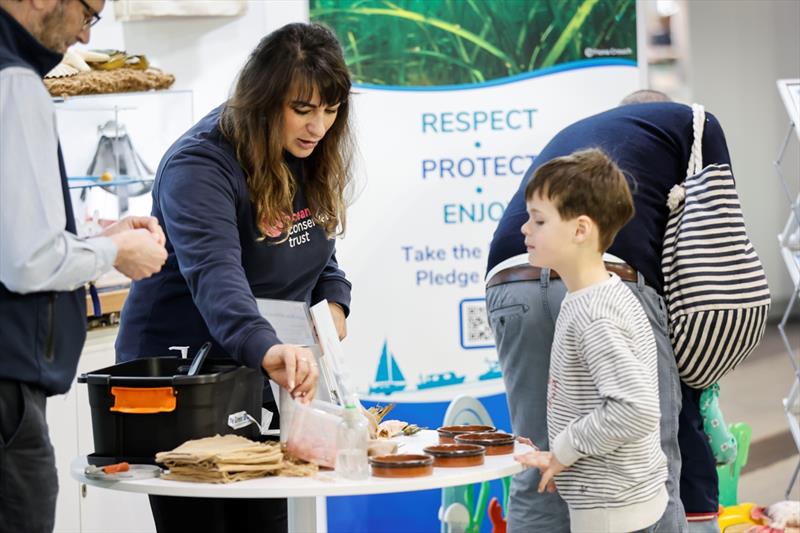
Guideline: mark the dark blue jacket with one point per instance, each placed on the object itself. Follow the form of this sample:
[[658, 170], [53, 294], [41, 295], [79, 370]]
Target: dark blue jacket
[[217, 263], [651, 144], [41, 334]]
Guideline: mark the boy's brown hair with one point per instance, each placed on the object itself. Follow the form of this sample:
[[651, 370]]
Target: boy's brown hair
[[588, 183]]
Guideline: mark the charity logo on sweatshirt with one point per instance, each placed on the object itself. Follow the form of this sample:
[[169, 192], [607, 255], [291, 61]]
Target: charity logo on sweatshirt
[[302, 224], [300, 233]]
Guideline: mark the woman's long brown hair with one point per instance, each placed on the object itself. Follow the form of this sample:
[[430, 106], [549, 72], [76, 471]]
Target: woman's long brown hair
[[300, 57]]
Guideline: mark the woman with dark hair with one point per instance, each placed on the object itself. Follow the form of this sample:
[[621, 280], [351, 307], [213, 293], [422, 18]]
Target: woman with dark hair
[[251, 199]]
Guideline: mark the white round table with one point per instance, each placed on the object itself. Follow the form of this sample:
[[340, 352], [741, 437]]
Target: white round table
[[303, 492]]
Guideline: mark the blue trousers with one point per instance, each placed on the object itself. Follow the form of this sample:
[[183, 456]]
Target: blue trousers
[[523, 316]]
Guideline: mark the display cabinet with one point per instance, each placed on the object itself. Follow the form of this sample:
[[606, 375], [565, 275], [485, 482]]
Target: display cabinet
[[112, 145]]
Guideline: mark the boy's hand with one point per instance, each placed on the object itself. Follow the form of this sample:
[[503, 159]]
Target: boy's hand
[[547, 464], [529, 442]]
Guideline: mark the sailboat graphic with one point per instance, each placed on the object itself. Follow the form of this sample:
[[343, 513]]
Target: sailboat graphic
[[441, 379], [493, 372], [388, 379]]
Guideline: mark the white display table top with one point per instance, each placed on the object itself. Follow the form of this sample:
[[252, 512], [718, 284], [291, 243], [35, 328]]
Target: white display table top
[[325, 483]]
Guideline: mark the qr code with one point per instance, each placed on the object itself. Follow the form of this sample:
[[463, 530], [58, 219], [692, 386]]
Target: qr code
[[475, 329]]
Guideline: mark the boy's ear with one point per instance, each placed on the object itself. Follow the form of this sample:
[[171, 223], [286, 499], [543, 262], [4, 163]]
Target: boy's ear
[[583, 229]]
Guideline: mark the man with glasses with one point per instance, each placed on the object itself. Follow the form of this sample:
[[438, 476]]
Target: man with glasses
[[92, 16], [43, 263]]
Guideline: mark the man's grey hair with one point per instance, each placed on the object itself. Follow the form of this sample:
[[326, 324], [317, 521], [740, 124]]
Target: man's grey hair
[[645, 96]]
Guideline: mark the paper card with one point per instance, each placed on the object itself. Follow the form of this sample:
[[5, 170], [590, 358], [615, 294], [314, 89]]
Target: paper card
[[332, 360], [327, 335], [293, 324], [291, 320]]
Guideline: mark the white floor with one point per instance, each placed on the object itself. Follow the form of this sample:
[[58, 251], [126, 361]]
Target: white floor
[[768, 484]]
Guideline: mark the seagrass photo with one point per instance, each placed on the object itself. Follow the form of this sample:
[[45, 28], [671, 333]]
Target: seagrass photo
[[444, 42]]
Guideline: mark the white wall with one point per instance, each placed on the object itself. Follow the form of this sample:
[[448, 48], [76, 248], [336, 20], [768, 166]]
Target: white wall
[[737, 51], [204, 53]]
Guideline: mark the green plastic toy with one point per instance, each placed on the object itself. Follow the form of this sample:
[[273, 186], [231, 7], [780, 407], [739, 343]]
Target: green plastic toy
[[729, 474], [723, 444]]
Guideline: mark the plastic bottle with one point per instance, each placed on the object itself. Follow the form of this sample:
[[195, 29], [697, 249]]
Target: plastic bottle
[[352, 437]]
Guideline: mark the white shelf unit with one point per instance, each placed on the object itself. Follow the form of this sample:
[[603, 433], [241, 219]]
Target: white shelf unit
[[153, 120], [789, 242], [791, 259]]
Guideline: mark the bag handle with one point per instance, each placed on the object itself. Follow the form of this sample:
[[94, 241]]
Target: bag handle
[[696, 157]]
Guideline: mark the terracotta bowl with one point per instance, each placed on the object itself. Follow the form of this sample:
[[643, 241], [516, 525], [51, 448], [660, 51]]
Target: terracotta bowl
[[495, 443], [456, 455], [401, 465], [448, 433]]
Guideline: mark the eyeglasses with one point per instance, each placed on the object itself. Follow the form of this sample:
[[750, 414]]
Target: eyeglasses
[[92, 18]]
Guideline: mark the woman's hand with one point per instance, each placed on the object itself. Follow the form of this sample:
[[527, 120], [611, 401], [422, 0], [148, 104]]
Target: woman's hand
[[293, 368], [339, 320], [547, 464]]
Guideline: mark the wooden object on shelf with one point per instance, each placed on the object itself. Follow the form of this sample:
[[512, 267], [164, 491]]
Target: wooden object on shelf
[[109, 81]]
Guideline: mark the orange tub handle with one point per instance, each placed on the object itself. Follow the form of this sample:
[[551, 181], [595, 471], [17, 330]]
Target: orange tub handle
[[143, 400]]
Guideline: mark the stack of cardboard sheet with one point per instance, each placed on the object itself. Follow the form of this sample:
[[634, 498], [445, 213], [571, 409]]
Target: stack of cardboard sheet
[[224, 459]]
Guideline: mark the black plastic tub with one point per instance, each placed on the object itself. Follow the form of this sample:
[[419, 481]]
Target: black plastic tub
[[146, 406]]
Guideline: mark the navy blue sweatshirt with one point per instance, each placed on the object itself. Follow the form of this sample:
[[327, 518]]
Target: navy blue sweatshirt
[[216, 264], [651, 144]]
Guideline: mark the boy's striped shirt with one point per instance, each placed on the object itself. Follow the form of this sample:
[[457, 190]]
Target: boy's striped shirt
[[603, 410]]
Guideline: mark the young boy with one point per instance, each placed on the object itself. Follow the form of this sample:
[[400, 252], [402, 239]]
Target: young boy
[[602, 409]]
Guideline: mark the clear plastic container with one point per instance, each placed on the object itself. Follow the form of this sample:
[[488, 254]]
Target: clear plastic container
[[352, 438], [311, 431], [286, 408]]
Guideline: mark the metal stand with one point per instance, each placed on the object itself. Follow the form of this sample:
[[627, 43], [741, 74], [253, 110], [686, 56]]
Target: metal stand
[[307, 515], [791, 255]]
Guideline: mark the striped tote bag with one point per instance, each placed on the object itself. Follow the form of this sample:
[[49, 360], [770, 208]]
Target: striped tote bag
[[714, 284]]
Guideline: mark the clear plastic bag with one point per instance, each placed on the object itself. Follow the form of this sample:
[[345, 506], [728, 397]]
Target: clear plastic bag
[[311, 430]]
